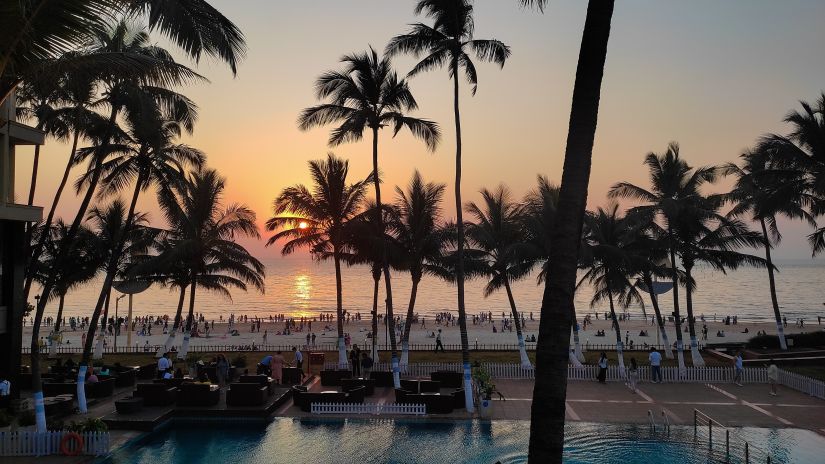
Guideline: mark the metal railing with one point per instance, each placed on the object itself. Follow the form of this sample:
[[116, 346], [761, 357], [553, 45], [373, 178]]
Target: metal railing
[[369, 408], [725, 444]]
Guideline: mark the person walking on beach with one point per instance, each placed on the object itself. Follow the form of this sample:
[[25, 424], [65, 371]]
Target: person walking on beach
[[655, 359], [738, 367], [633, 375], [602, 377], [773, 376], [438, 343]]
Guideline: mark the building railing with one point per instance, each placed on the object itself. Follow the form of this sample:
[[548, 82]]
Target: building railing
[[369, 408], [30, 443], [724, 444]]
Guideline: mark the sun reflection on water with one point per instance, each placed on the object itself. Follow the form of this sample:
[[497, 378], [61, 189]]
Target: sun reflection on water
[[302, 291]]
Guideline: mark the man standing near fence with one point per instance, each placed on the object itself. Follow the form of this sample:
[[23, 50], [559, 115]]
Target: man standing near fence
[[438, 343], [738, 368], [655, 359]]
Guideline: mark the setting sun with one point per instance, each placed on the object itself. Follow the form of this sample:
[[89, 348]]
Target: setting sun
[[303, 225]]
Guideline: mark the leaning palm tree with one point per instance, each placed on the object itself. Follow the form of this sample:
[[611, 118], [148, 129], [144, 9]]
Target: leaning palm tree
[[204, 236], [420, 239], [764, 192], [367, 95], [557, 307], [496, 239], [449, 42], [803, 152], [38, 33], [607, 254], [675, 190], [317, 218]]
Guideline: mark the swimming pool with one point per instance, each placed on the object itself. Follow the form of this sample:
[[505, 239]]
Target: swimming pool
[[317, 441]]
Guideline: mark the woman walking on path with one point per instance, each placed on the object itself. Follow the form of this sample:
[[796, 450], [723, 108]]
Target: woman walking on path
[[633, 376], [277, 366], [739, 368], [222, 369], [602, 368], [773, 376]]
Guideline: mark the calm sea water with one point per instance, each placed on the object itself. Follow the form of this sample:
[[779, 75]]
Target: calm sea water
[[304, 287]]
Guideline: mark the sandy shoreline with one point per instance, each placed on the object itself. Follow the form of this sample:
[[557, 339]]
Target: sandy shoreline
[[326, 333]]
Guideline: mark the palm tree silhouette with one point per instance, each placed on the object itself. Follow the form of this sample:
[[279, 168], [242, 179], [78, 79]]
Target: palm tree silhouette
[[205, 234], [419, 238], [446, 43], [675, 189], [607, 254], [317, 218], [496, 241], [803, 151], [763, 192], [557, 306], [367, 94]]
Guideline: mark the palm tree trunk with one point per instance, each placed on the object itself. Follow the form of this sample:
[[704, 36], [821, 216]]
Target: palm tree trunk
[[101, 336], [38, 249], [550, 388], [695, 357], [619, 345], [187, 335], [376, 278], [56, 333], [33, 184], [385, 260], [37, 385], [780, 332], [659, 321], [522, 349], [339, 309], [112, 268], [170, 340], [405, 338], [677, 317], [459, 268]]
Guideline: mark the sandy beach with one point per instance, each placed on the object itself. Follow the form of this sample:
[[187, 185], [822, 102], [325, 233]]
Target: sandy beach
[[481, 334]]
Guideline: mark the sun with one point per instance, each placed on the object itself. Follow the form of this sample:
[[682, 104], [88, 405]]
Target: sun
[[302, 225]]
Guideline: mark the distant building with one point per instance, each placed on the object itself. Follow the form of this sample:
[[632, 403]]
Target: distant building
[[13, 219]]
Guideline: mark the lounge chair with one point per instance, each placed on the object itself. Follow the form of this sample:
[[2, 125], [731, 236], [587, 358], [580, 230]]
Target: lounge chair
[[402, 395], [332, 378], [411, 386], [100, 389], [448, 379], [369, 384], [459, 402], [246, 394], [356, 395], [156, 394], [199, 394], [269, 382], [382, 378]]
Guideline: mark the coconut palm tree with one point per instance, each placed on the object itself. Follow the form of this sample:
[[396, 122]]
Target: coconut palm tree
[[607, 254], [367, 95], [204, 234], [317, 218], [496, 239], [419, 237], [764, 192], [449, 42], [39, 33], [675, 190], [552, 351], [803, 151]]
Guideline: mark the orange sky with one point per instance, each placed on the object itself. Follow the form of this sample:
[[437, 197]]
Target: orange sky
[[711, 75]]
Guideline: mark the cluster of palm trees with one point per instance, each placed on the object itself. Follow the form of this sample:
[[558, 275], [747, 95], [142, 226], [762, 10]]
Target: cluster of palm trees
[[88, 72]]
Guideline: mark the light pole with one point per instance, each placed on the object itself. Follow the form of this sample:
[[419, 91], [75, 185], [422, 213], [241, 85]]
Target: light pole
[[117, 321]]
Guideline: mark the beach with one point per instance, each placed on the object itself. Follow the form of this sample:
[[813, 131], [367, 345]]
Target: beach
[[481, 336]]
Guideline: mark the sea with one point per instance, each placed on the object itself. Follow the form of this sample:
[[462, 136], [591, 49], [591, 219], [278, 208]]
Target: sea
[[303, 287]]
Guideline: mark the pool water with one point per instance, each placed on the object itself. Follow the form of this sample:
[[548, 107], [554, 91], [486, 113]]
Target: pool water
[[357, 441]]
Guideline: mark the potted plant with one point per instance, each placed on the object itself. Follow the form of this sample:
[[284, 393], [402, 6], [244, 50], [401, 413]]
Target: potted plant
[[484, 389]]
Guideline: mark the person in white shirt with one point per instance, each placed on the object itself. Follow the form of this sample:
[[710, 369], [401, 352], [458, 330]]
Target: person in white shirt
[[655, 359], [164, 364], [739, 368], [773, 376]]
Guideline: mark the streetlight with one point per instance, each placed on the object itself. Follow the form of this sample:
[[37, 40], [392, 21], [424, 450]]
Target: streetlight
[[117, 321]]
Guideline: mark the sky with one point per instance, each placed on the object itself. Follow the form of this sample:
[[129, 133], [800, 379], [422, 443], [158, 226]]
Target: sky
[[711, 75]]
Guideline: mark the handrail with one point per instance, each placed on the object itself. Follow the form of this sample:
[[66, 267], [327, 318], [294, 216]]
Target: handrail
[[748, 450], [652, 420]]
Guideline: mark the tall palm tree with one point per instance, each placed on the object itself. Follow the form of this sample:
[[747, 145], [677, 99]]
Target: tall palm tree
[[367, 94], [204, 233], [675, 190], [607, 255], [419, 238], [552, 351], [804, 152], [497, 240], [317, 218], [764, 192], [447, 43], [38, 33]]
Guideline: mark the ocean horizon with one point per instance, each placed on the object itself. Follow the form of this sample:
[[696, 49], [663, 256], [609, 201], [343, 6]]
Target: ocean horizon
[[303, 287]]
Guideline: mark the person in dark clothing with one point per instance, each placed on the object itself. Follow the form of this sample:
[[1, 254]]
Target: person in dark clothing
[[355, 361]]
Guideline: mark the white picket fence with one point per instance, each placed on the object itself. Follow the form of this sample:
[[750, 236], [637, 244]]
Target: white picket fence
[[801, 383], [587, 373], [369, 408], [29, 443]]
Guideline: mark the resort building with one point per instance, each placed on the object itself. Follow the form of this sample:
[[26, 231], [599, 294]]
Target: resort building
[[13, 219]]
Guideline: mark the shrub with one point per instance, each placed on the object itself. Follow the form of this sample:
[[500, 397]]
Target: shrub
[[802, 340], [763, 341], [26, 418], [92, 424]]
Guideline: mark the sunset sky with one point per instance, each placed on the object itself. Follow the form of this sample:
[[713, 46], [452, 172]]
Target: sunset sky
[[711, 75]]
